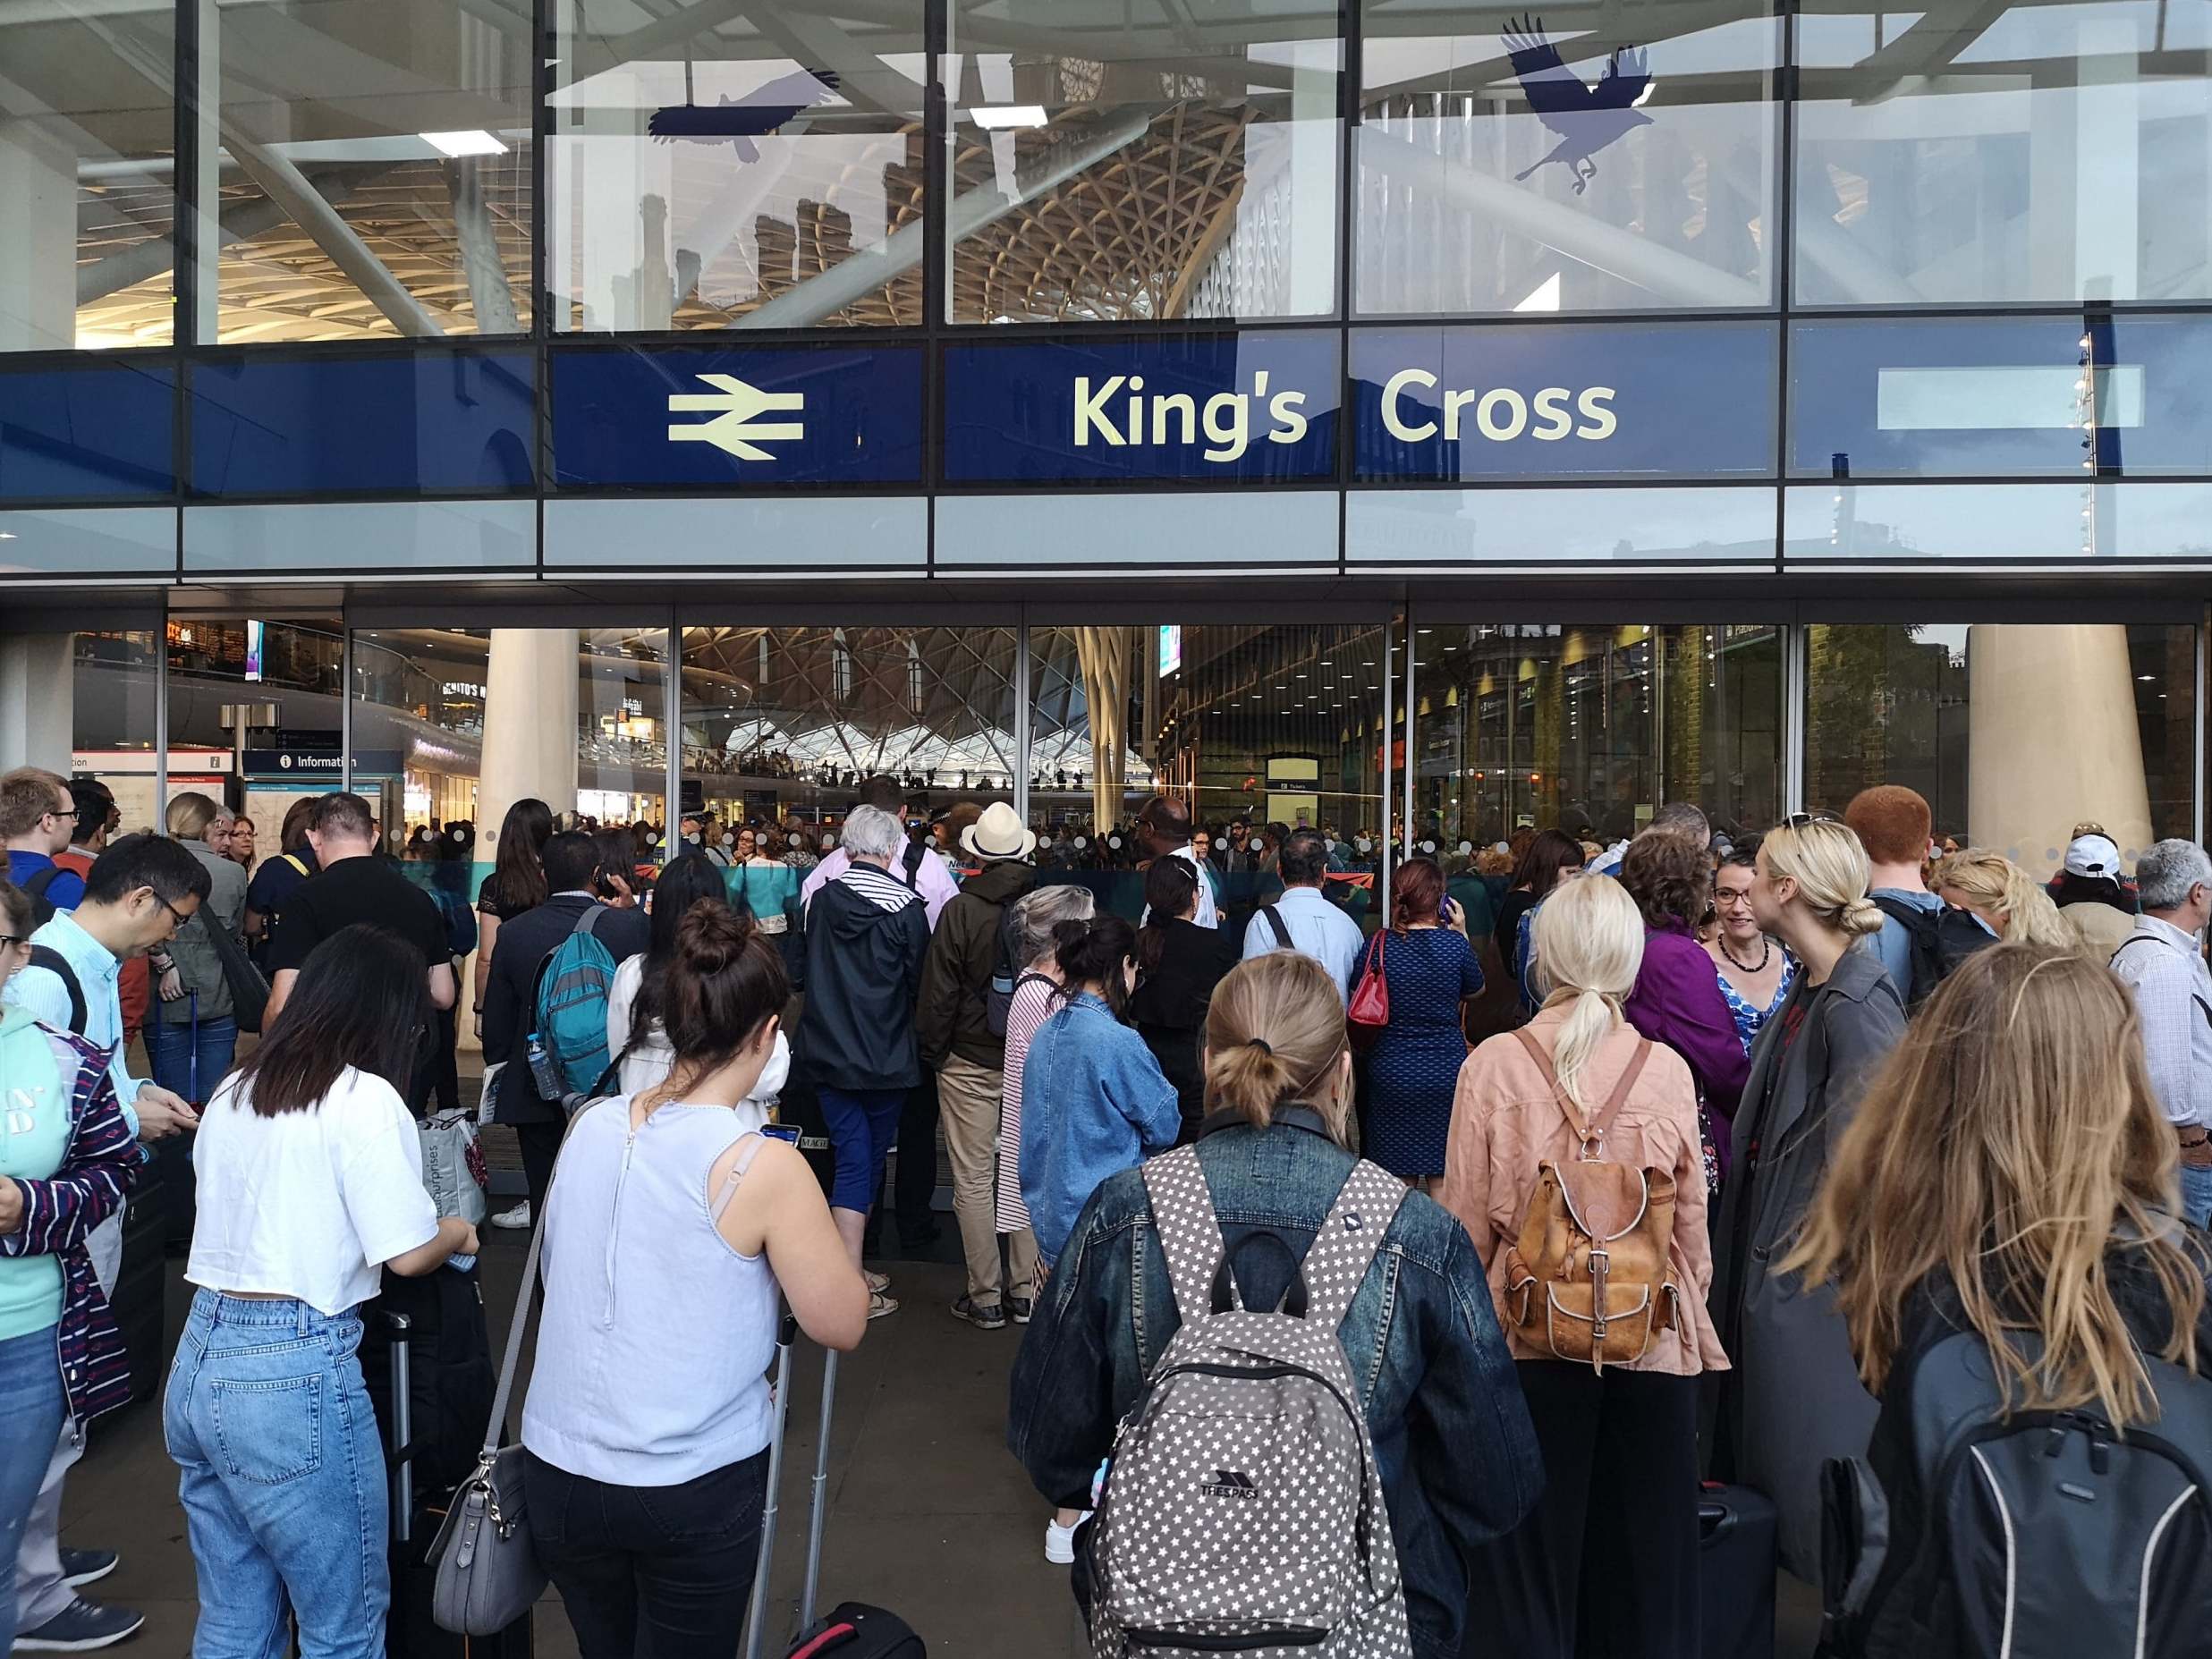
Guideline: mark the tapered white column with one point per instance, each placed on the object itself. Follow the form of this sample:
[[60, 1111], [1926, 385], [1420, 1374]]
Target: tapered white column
[[529, 725], [38, 701], [38, 239]]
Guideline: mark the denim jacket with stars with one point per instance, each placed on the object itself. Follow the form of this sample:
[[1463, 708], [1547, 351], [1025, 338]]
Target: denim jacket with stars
[[1458, 1456]]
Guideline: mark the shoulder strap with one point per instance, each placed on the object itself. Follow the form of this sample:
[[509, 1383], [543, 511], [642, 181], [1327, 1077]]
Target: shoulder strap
[[737, 1174], [292, 858], [1341, 1251], [38, 885], [1596, 1132], [1276, 925], [46, 957], [589, 922], [1182, 1213], [524, 1304], [915, 854]]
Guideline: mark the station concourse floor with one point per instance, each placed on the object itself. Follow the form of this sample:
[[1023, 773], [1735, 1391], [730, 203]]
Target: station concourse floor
[[928, 1513]]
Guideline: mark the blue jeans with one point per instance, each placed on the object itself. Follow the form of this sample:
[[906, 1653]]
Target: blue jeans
[[2196, 1195], [862, 1123], [173, 1052], [282, 1478], [31, 1415]]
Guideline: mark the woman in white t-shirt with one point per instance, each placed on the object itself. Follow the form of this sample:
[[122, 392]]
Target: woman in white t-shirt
[[310, 1182], [636, 1035]]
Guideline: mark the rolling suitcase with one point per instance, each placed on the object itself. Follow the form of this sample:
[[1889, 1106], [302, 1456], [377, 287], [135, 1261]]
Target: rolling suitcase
[[141, 1281], [417, 1511], [851, 1629], [1736, 1567]]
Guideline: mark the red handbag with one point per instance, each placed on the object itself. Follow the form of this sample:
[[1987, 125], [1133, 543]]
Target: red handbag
[[1369, 1010]]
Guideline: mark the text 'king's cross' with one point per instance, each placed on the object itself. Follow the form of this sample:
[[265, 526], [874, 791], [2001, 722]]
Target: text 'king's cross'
[[734, 407]]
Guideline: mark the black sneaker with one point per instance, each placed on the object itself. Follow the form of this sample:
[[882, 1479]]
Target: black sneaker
[[984, 1316], [87, 1566], [1020, 1308], [80, 1628]]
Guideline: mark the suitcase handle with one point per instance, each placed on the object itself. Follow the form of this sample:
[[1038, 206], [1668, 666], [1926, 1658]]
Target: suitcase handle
[[836, 1635]]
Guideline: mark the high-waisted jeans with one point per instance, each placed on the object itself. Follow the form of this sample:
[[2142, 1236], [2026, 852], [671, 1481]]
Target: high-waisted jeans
[[282, 1478]]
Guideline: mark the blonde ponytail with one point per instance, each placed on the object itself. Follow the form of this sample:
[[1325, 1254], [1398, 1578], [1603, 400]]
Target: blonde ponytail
[[1590, 939], [1992, 883], [1275, 1033]]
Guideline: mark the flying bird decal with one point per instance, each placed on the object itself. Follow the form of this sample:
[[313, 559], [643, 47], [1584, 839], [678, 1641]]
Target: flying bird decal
[[1586, 118], [741, 120]]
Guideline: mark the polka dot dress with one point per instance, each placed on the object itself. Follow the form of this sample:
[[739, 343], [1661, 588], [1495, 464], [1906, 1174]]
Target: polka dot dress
[[1414, 1065], [1243, 1498]]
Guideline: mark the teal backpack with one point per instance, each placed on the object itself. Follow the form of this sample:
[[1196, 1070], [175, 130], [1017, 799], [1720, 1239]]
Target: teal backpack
[[567, 1043]]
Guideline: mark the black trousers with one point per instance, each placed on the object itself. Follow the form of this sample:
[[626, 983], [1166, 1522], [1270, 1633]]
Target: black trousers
[[651, 1572], [540, 1145], [915, 1183], [1605, 1566]]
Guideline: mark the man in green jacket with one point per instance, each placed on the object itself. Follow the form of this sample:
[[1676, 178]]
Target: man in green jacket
[[952, 1026]]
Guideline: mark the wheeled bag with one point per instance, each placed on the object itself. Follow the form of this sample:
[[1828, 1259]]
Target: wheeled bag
[[1736, 1565]]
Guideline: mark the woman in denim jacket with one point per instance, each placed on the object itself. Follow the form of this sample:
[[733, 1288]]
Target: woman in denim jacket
[[1451, 1437]]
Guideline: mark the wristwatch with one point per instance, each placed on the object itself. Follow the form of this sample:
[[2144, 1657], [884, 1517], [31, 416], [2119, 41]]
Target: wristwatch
[[161, 961]]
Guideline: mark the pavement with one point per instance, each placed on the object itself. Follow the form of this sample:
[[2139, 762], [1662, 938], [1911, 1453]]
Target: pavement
[[928, 1513]]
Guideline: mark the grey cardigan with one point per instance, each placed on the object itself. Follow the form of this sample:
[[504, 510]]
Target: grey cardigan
[[194, 952], [1794, 1397]]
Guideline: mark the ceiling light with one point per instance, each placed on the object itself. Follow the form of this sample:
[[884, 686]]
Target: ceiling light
[[1008, 115], [476, 142]]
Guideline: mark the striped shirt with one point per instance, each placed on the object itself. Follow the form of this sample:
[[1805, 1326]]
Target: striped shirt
[[1034, 1001], [59, 1215]]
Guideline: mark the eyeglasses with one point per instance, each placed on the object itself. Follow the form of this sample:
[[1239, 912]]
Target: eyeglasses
[[175, 915], [7, 939], [62, 812], [1726, 898]]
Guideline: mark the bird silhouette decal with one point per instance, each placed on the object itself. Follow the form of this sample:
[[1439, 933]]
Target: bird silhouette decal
[[741, 120], [1586, 118]]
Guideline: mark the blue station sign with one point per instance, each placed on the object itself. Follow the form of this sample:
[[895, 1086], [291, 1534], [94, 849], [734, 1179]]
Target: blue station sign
[[1260, 406], [1564, 400], [651, 418]]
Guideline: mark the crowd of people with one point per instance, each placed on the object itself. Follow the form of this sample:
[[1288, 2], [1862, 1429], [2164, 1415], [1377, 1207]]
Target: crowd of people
[[1671, 1160]]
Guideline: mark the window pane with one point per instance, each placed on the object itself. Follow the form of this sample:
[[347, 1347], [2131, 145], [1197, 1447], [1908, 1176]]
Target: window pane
[[110, 719], [255, 713], [373, 163], [2043, 396], [1260, 726], [1142, 159], [2002, 523], [714, 168], [1591, 727], [321, 537], [2013, 732], [2005, 153], [87, 201], [1627, 167], [781, 725], [94, 430], [1514, 527]]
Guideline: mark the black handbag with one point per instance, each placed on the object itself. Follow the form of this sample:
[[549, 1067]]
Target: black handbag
[[249, 992]]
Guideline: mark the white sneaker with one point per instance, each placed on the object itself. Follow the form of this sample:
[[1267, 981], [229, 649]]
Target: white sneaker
[[1059, 1541], [515, 1220]]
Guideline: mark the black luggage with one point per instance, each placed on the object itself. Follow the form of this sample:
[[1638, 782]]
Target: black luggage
[[417, 1506], [1736, 1565], [449, 1371], [854, 1630], [141, 1282]]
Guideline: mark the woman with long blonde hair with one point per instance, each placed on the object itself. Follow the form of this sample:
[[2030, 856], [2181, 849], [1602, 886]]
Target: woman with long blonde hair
[[2007, 901], [2012, 1175], [1620, 1445], [1451, 1435], [1793, 1399]]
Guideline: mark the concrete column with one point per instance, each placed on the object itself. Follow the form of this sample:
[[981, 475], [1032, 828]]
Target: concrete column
[[529, 725], [38, 701], [2052, 741], [38, 239]]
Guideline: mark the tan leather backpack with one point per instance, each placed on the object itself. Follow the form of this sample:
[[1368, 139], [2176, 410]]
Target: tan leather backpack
[[1590, 1280]]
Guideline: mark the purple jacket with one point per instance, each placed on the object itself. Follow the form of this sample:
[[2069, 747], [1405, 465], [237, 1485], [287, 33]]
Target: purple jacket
[[1677, 1002]]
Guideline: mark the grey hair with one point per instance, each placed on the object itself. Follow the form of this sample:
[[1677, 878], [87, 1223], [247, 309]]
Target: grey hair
[[1683, 818], [1037, 915], [871, 832], [2167, 871]]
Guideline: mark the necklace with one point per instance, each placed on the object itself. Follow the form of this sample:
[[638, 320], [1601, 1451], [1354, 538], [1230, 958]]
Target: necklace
[[1766, 954]]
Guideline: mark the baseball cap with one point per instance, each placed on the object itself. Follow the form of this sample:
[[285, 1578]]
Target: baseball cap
[[2093, 855]]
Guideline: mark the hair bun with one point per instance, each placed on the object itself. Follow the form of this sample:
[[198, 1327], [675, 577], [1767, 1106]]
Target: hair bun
[[1862, 917], [712, 936]]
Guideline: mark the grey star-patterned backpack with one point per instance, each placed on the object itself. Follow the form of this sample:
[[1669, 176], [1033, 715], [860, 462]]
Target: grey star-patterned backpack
[[1242, 1511]]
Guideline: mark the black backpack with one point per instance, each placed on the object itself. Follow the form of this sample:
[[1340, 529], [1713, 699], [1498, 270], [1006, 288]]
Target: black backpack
[[1942, 938], [2040, 1535], [1006, 974], [41, 907], [46, 957]]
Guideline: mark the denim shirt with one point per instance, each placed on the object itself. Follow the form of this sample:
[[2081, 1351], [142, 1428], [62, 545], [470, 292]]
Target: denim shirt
[[1452, 1436], [1094, 1102]]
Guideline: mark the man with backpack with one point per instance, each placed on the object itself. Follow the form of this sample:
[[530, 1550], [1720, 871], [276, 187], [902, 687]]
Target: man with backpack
[[545, 999], [2162, 964], [954, 1026], [1922, 939], [37, 818], [917, 867]]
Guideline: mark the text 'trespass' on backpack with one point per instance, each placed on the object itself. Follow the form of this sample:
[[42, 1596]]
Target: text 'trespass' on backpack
[[1242, 1509]]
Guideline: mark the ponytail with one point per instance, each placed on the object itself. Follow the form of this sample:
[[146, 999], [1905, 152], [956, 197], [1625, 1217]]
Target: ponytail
[[1275, 1033]]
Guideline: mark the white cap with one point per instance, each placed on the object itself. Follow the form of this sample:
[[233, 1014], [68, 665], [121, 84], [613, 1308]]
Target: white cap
[[2093, 855]]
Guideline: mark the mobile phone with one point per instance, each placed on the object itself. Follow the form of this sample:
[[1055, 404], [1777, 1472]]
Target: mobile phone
[[781, 1131]]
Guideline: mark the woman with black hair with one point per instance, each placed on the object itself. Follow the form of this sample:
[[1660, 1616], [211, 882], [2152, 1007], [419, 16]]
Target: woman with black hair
[[671, 1226], [517, 884], [1178, 965], [1094, 1100], [309, 1182], [636, 1034]]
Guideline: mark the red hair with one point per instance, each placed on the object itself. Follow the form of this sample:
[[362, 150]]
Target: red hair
[[1891, 823]]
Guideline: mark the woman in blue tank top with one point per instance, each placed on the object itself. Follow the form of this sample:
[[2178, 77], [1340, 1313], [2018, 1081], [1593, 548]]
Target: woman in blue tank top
[[670, 1230]]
